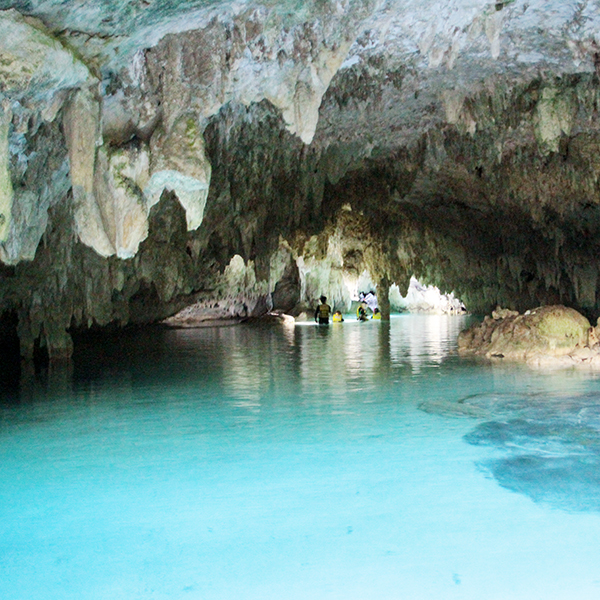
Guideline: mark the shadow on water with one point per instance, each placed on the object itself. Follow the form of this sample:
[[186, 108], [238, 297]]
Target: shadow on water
[[142, 362], [550, 443]]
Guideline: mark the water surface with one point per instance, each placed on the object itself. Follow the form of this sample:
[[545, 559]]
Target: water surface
[[357, 461]]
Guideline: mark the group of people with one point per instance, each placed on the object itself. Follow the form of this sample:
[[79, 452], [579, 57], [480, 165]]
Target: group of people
[[368, 301], [324, 310], [362, 315]]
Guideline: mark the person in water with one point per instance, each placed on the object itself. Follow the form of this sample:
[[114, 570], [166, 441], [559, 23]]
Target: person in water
[[361, 312], [323, 311], [337, 317], [376, 314], [369, 298]]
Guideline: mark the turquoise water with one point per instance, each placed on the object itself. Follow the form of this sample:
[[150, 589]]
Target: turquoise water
[[359, 461]]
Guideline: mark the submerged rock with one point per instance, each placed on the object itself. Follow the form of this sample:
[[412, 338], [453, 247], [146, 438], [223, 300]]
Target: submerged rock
[[545, 336], [549, 444]]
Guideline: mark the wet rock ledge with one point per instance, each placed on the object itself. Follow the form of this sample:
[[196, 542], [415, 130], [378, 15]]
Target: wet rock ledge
[[544, 336]]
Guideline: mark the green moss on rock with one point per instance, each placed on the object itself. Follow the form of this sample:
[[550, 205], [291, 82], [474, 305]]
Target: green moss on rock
[[545, 331]]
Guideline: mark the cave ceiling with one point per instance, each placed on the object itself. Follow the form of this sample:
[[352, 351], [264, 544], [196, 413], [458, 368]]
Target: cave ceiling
[[413, 62], [460, 138]]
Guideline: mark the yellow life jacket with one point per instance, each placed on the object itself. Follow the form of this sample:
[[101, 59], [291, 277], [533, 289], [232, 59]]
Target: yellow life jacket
[[337, 318], [324, 310], [376, 315]]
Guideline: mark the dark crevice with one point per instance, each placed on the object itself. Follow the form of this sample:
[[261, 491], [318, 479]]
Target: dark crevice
[[10, 357]]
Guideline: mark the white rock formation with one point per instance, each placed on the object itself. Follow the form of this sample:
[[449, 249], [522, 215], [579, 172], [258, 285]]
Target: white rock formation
[[113, 190], [116, 186], [6, 190], [34, 63], [555, 115], [299, 93], [36, 74], [179, 164], [94, 219], [425, 298], [191, 192]]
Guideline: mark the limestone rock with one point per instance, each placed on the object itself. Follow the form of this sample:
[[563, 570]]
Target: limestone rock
[[593, 337], [126, 116], [6, 189], [179, 164], [239, 296], [93, 220], [547, 331], [34, 63], [113, 190], [41, 183], [555, 115], [504, 313], [117, 180], [36, 74]]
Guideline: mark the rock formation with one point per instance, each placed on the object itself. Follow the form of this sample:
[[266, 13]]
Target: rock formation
[[156, 155], [547, 335]]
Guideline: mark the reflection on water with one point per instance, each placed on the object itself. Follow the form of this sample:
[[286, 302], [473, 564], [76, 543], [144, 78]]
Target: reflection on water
[[330, 360], [273, 461]]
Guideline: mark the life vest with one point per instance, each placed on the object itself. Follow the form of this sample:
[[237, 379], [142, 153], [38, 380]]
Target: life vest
[[376, 316], [324, 310], [337, 318], [361, 313]]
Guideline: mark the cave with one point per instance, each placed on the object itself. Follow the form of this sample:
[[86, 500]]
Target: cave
[[170, 170], [461, 150]]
